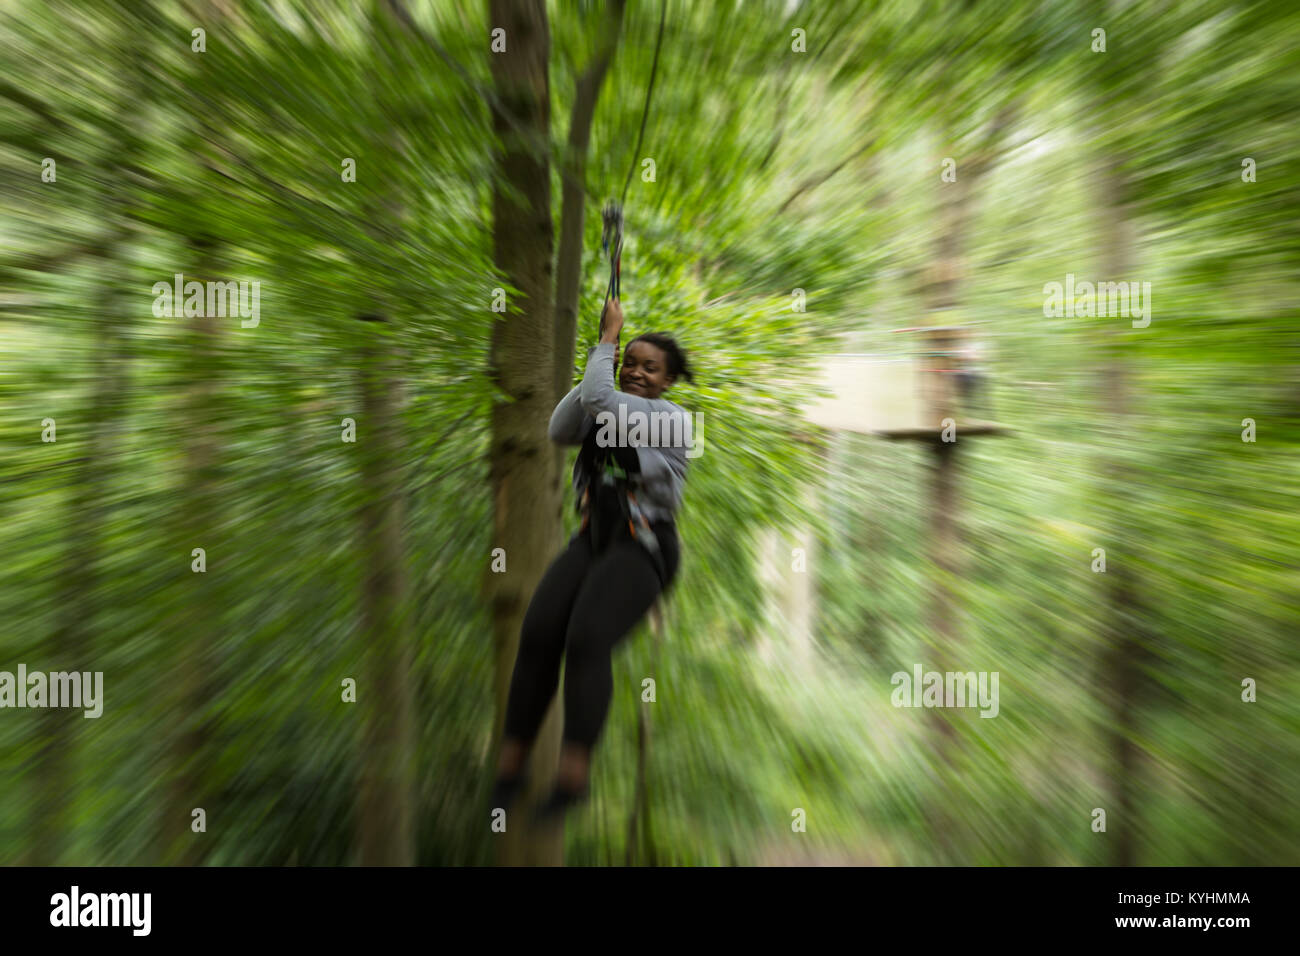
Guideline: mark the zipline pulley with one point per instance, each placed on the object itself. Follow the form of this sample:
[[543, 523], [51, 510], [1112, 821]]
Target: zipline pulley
[[611, 243]]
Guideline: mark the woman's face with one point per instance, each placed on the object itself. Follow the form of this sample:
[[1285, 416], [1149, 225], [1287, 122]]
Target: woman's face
[[644, 371]]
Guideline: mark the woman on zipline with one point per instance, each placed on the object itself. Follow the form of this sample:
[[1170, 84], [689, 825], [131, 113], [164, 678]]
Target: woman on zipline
[[629, 486]]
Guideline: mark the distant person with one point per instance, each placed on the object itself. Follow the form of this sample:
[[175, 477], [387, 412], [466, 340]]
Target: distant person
[[972, 379], [615, 566]]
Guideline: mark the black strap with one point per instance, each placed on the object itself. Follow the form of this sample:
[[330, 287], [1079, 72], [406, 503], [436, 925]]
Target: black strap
[[593, 460], [594, 471]]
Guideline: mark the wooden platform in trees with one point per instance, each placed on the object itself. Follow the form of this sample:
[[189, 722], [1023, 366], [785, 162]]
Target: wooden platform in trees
[[891, 397]]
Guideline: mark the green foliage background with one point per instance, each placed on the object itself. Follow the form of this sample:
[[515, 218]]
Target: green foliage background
[[775, 171]]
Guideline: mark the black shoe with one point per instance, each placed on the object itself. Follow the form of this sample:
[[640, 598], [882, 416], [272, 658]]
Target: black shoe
[[506, 792], [560, 801]]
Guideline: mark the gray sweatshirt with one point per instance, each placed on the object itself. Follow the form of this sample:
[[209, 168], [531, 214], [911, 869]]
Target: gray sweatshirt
[[658, 429]]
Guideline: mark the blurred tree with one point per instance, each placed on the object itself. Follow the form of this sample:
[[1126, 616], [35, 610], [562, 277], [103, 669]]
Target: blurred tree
[[385, 812], [526, 520], [116, 146], [573, 203], [199, 516]]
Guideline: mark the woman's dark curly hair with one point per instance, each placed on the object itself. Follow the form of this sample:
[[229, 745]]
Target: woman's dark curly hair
[[678, 367]]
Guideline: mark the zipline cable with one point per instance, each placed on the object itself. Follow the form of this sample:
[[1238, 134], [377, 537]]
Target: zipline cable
[[612, 235], [645, 111]]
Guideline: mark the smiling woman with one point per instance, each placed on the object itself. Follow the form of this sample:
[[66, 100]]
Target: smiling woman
[[628, 485], [654, 361]]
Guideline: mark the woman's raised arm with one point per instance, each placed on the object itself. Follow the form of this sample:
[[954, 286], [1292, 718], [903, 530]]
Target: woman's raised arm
[[568, 421]]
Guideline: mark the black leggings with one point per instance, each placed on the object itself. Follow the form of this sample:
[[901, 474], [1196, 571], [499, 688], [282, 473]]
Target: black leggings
[[587, 601]]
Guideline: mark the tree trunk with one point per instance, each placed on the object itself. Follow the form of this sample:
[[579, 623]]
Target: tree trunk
[[943, 535], [1124, 605], [1123, 615], [524, 481], [568, 277], [640, 828], [72, 644], [386, 832], [198, 620], [192, 648], [944, 526]]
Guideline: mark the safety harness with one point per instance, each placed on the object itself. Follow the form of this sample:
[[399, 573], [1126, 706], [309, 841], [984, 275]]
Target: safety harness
[[605, 473]]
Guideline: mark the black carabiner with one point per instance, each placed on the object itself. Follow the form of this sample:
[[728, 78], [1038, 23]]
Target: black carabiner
[[611, 242]]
